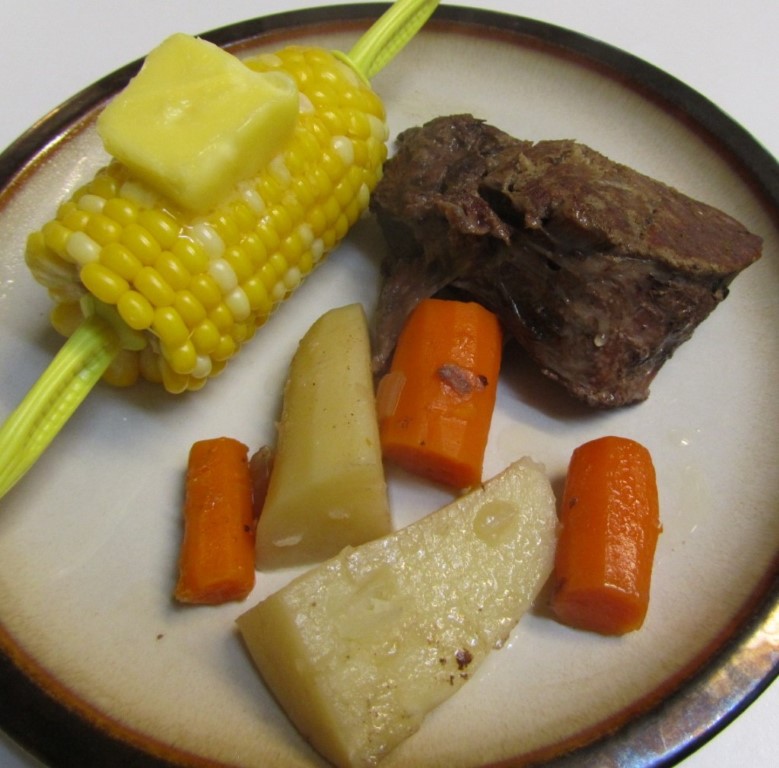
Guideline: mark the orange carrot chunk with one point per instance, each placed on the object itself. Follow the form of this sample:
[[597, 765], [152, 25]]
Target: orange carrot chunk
[[610, 523], [435, 405], [216, 563]]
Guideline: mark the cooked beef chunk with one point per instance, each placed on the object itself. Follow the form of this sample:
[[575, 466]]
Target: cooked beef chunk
[[598, 271]]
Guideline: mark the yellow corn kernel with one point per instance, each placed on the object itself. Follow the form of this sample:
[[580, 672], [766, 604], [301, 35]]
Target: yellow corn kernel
[[205, 290], [103, 283], [65, 317], [205, 336], [329, 239], [239, 262], [103, 185], [279, 264], [74, 219], [102, 229], [247, 330], [120, 260], [317, 220], [189, 308], [251, 327], [333, 165], [354, 210], [175, 383], [135, 310], [305, 264], [199, 286], [226, 227], [172, 270], [302, 194], [257, 294], [244, 216], [297, 244], [192, 255], [217, 366], [332, 210], [124, 369], [161, 226], [267, 234], [254, 249], [49, 269], [221, 317], [121, 210], [225, 349], [141, 243], [149, 365], [55, 236], [320, 183], [196, 383], [170, 327], [182, 358], [267, 274], [150, 283], [341, 227]]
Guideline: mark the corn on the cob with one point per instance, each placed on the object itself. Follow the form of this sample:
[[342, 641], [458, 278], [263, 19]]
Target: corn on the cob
[[197, 287], [143, 290]]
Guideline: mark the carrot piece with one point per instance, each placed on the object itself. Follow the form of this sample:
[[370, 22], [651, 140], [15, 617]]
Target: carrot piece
[[610, 524], [435, 405], [216, 562]]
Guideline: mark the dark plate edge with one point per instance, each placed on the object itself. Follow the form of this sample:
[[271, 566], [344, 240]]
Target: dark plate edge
[[48, 720]]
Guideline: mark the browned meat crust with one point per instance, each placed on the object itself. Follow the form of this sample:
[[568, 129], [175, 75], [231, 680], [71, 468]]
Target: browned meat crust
[[598, 271]]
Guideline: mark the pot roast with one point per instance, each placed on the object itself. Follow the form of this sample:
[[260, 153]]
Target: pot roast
[[599, 272]]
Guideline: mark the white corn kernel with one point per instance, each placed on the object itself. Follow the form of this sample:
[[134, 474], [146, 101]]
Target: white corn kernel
[[252, 198], [223, 274], [91, 203], [317, 250], [82, 248], [208, 237], [202, 367], [238, 303], [344, 148], [279, 169], [292, 278]]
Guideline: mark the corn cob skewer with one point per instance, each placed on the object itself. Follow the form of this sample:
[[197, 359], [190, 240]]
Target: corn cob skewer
[[142, 290]]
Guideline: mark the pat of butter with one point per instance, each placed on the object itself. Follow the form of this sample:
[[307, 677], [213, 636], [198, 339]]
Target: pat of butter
[[195, 121]]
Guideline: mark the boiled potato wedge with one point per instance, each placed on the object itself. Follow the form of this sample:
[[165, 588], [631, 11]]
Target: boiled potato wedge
[[360, 648], [327, 488]]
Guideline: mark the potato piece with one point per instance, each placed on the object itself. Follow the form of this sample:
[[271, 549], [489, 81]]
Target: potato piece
[[327, 487], [360, 648]]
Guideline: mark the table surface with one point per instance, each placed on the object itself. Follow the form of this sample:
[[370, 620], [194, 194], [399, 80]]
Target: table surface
[[726, 51]]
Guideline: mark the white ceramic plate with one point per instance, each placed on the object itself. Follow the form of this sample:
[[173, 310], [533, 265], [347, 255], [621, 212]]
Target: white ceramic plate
[[100, 667]]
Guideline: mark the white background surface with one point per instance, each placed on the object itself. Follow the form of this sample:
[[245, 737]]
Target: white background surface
[[727, 51]]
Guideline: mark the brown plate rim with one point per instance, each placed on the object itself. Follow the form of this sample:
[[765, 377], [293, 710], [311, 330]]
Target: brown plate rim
[[49, 720]]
